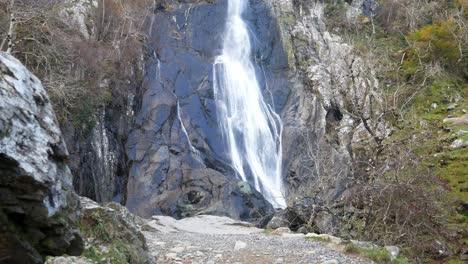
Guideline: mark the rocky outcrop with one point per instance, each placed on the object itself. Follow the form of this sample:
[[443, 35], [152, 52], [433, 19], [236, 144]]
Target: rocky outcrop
[[38, 207], [334, 92], [329, 112], [113, 234]]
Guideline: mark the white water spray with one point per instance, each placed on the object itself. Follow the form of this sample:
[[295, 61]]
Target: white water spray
[[251, 127]]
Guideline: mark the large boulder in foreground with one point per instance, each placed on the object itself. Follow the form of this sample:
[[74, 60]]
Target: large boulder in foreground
[[38, 208]]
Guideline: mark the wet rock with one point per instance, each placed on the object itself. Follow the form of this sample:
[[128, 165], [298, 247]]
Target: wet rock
[[177, 127], [38, 208]]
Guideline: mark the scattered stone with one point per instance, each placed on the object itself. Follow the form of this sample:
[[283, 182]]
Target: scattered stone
[[171, 255], [364, 244], [279, 261], [302, 230], [331, 261], [451, 107], [460, 133], [103, 249], [434, 106], [325, 237], [239, 245], [457, 121], [394, 251], [68, 260], [277, 222], [459, 143], [177, 249], [281, 231], [464, 254]]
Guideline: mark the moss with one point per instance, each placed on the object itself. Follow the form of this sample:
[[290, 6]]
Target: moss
[[319, 239]]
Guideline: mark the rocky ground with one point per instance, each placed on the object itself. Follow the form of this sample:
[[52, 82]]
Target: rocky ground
[[211, 239]]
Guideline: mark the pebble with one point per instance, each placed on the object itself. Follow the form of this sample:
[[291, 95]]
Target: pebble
[[394, 251], [451, 107], [196, 248], [239, 245], [171, 255], [177, 249], [331, 261]]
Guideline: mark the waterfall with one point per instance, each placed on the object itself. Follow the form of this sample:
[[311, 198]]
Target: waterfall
[[251, 128]]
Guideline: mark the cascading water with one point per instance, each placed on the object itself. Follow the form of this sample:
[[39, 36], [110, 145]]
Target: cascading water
[[251, 128]]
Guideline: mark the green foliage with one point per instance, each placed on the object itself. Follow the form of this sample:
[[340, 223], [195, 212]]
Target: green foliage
[[268, 231], [379, 255], [83, 116], [319, 239], [107, 241], [421, 61], [440, 42]]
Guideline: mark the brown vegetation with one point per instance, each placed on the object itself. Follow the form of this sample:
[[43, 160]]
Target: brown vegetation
[[77, 65]]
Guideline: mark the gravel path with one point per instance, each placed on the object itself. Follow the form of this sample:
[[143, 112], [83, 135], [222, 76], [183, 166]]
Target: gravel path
[[211, 239]]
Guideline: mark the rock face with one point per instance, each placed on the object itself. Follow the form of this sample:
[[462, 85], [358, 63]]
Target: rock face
[[320, 88], [38, 208], [179, 163], [98, 159]]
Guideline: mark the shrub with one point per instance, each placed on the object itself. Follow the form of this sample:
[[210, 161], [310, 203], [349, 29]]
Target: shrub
[[73, 67]]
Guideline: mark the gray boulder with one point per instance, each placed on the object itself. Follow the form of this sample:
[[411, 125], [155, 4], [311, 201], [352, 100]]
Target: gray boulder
[[38, 208]]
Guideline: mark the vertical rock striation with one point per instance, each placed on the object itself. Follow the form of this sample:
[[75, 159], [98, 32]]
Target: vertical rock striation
[[38, 207]]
